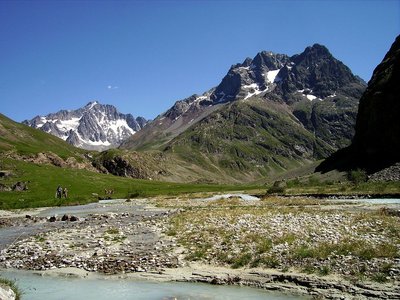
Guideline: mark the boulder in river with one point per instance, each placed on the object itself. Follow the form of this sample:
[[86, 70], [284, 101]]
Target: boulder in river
[[73, 219]]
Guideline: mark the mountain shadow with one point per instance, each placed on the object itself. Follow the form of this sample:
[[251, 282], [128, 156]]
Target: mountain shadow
[[376, 144]]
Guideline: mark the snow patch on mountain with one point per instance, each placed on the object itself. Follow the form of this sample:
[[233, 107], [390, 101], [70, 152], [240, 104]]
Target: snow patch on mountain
[[254, 90], [272, 76], [93, 127], [311, 97], [67, 125]]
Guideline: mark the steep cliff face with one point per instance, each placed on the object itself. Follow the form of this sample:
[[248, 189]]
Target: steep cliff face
[[376, 144], [378, 125]]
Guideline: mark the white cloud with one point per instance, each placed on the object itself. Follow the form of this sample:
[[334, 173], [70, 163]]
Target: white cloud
[[111, 87]]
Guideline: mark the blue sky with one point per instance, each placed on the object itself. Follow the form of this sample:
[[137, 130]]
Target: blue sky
[[142, 56]]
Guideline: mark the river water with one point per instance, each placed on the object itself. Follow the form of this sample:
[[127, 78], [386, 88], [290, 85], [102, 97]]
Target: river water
[[369, 201], [36, 287]]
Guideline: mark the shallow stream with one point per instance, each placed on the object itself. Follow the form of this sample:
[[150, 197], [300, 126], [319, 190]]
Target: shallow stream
[[36, 287], [369, 201]]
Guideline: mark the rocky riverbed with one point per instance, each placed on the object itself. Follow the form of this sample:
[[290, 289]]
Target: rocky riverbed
[[109, 243], [306, 246]]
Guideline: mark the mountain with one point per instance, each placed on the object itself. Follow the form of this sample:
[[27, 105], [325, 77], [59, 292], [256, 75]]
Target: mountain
[[269, 113], [321, 91], [378, 126], [376, 143], [33, 163], [93, 127]]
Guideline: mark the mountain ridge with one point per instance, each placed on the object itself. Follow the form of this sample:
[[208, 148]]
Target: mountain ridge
[[268, 114], [269, 76], [93, 127]]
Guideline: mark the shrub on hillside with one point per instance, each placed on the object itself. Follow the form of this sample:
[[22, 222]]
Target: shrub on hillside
[[277, 188], [357, 176]]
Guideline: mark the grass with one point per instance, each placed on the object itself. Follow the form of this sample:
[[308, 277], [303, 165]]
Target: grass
[[40, 239], [199, 253], [357, 248], [112, 231], [268, 261], [25, 140], [324, 270], [256, 145], [263, 245], [18, 140], [241, 260], [313, 185], [114, 235], [85, 186], [13, 286]]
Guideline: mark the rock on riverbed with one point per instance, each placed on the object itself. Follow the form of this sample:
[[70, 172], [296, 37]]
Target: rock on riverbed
[[6, 293]]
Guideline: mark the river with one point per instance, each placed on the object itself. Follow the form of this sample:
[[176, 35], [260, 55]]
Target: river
[[36, 287]]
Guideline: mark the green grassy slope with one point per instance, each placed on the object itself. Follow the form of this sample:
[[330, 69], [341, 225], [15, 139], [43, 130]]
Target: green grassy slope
[[85, 186], [24, 140], [248, 139], [18, 143]]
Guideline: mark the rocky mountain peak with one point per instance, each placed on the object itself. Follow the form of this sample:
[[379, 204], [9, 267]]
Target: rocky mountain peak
[[313, 75], [317, 51], [95, 126], [268, 60], [91, 104], [318, 73], [247, 62], [318, 90]]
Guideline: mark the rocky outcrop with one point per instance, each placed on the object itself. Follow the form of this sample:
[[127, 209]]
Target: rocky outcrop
[[298, 284], [318, 72], [50, 158], [5, 174], [20, 186], [391, 173], [5, 188], [131, 164]]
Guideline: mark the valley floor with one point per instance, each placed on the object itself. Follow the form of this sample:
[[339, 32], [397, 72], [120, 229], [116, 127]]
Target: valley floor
[[305, 246]]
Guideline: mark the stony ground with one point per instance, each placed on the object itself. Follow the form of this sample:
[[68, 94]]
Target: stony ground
[[358, 243], [108, 243]]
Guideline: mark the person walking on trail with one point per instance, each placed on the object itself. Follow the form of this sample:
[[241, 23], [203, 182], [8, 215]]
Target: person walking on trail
[[59, 192], [65, 193]]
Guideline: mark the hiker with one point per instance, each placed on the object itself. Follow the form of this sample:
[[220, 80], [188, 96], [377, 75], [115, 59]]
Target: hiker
[[65, 193], [108, 192], [59, 192]]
